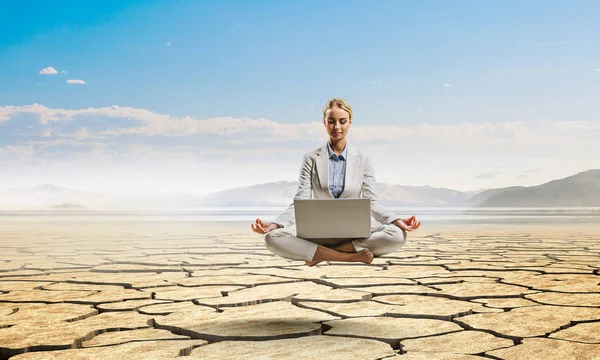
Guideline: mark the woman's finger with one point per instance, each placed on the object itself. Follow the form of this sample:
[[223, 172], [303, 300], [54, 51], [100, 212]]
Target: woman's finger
[[412, 228], [257, 229]]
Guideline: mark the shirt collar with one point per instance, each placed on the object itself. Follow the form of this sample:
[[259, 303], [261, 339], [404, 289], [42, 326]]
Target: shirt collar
[[342, 154]]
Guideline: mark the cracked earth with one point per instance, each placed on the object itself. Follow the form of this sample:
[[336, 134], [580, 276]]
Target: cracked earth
[[157, 290]]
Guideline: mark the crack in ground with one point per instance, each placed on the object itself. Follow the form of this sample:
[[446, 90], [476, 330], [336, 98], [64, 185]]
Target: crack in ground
[[571, 324], [515, 339], [474, 266]]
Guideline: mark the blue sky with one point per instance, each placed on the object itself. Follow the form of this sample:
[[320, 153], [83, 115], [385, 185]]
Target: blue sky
[[461, 84]]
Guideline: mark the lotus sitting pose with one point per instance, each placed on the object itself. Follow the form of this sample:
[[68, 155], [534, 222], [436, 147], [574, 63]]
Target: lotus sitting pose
[[332, 171]]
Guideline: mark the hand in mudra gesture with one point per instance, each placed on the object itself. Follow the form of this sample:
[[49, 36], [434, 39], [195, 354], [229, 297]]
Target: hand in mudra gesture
[[263, 227], [408, 224]]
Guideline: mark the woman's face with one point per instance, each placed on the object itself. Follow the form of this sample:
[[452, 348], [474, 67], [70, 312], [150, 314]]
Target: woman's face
[[337, 121]]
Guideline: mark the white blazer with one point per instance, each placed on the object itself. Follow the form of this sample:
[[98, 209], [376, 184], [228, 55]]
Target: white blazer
[[359, 182]]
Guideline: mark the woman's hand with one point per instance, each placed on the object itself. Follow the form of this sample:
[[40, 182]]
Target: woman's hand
[[409, 224], [263, 227]]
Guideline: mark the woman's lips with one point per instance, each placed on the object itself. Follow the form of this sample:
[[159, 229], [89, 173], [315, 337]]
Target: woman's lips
[[336, 133]]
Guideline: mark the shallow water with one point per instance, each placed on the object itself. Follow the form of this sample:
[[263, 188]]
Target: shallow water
[[429, 215]]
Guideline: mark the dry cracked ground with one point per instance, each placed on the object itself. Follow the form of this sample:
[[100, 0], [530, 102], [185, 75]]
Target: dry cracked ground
[[159, 290]]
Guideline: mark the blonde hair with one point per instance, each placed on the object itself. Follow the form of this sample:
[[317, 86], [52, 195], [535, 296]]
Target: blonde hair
[[341, 103]]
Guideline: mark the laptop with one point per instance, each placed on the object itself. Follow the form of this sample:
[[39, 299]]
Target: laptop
[[346, 218]]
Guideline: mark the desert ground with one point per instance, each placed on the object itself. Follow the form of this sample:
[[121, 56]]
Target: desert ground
[[151, 288]]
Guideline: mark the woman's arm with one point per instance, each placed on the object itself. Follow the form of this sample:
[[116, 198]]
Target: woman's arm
[[378, 211], [288, 217]]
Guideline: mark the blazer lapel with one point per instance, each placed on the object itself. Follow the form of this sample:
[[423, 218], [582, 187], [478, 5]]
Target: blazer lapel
[[323, 169]]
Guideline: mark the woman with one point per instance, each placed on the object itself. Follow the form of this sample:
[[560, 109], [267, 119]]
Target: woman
[[332, 171]]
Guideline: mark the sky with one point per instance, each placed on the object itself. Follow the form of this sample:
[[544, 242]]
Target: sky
[[202, 96]]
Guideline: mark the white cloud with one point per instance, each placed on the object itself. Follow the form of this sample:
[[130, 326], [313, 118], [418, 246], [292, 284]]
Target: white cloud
[[526, 174], [8, 112], [43, 144], [487, 175], [447, 85], [597, 69], [452, 155], [168, 44], [48, 71], [75, 81], [63, 72], [268, 131], [81, 134], [19, 151], [557, 42], [152, 123]]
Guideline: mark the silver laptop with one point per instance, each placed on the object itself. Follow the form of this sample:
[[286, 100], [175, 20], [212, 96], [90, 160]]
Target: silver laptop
[[332, 218]]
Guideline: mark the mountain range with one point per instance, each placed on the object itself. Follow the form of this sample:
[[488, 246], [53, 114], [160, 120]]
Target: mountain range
[[579, 190]]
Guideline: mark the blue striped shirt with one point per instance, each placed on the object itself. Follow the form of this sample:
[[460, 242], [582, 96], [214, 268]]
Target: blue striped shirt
[[337, 170]]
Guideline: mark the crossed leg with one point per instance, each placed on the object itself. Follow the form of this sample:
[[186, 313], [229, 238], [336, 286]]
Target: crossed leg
[[384, 239]]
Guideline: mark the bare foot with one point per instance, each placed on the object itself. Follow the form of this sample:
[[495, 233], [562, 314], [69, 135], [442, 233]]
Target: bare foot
[[311, 263], [365, 256]]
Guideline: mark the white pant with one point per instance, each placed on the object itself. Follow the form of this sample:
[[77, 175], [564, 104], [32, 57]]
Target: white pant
[[384, 239]]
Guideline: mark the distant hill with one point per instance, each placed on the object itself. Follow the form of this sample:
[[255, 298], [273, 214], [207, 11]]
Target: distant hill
[[43, 196], [49, 196], [483, 196], [273, 194], [440, 196], [282, 193], [579, 190]]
